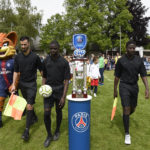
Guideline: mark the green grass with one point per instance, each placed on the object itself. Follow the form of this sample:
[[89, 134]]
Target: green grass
[[105, 135]]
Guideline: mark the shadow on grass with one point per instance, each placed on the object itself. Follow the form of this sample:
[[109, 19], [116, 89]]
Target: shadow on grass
[[37, 125], [6, 120], [133, 121], [119, 123], [33, 127], [63, 126]]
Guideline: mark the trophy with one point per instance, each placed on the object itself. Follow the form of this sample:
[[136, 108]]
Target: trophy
[[79, 67]]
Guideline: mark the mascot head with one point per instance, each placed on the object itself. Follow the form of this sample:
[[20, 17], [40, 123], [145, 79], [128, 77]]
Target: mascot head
[[7, 44]]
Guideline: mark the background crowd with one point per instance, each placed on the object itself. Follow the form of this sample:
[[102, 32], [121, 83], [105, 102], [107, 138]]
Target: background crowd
[[96, 65]]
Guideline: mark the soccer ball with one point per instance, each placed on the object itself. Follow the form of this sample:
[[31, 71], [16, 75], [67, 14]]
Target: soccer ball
[[45, 90]]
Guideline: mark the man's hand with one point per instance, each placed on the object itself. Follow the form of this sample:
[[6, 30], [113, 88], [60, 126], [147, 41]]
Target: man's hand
[[116, 80], [62, 102], [147, 94], [144, 79], [12, 89], [115, 93]]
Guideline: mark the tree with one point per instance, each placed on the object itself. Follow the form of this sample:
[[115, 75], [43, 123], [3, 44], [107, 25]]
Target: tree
[[28, 20], [100, 20], [55, 29], [139, 23], [6, 16], [89, 18], [23, 18], [118, 23]]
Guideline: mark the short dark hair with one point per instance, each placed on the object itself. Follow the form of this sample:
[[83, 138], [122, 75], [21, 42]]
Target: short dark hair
[[100, 54], [25, 38], [55, 42], [130, 42], [95, 58]]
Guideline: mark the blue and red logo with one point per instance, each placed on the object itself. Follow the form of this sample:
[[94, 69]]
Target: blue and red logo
[[80, 121], [79, 41]]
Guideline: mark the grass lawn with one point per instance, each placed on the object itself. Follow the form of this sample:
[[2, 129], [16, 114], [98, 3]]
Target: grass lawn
[[105, 135]]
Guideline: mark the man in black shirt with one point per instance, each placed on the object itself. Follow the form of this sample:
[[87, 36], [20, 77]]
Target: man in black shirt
[[25, 65], [127, 69], [56, 73]]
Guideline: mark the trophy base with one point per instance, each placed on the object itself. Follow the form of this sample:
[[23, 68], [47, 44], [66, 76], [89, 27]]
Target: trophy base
[[82, 95]]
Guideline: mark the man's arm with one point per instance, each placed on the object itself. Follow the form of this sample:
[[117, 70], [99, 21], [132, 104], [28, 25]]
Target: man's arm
[[62, 101], [66, 83], [144, 79], [43, 81], [16, 76], [117, 73], [116, 80], [41, 72]]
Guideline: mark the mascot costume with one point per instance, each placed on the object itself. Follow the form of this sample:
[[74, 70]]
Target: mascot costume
[[7, 51]]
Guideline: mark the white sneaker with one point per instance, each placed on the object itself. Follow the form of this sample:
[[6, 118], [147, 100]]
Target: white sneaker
[[95, 95], [91, 92], [127, 139]]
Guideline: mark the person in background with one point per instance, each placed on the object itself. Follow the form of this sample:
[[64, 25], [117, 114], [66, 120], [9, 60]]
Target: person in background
[[105, 62], [91, 58], [112, 62], [108, 62], [117, 57], [94, 75], [128, 67], [101, 68], [88, 75]]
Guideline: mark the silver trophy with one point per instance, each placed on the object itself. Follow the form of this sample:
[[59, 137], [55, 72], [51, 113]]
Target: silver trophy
[[79, 67]]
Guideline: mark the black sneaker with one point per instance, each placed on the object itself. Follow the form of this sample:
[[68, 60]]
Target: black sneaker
[[47, 141], [25, 135], [1, 124], [56, 136]]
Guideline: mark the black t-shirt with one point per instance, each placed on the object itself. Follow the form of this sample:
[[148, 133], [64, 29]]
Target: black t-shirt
[[128, 69], [27, 66], [56, 71]]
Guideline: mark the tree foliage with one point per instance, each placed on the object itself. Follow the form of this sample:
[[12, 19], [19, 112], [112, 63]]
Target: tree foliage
[[118, 23], [55, 29], [100, 20], [6, 15], [139, 23], [22, 18]]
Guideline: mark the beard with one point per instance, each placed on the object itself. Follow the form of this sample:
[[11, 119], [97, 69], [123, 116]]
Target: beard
[[54, 54], [24, 50], [131, 54]]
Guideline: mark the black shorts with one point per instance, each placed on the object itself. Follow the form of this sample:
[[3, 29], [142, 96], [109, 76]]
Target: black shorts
[[49, 102], [28, 90], [55, 97], [128, 94]]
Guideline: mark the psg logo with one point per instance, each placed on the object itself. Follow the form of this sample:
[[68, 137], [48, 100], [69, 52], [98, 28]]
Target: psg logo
[[80, 121], [79, 39]]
